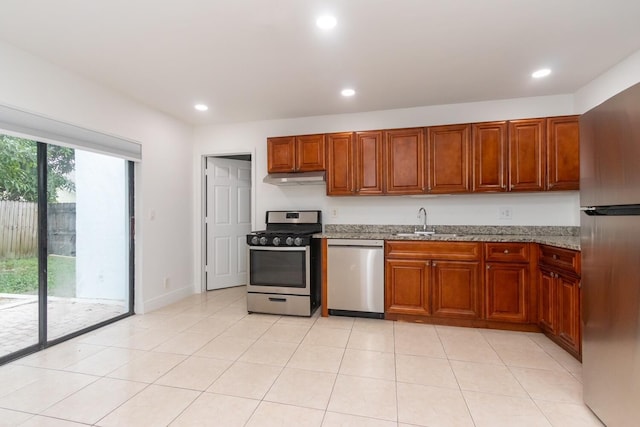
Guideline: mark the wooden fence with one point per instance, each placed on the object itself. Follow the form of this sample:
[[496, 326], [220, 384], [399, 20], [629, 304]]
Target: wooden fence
[[19, 229]]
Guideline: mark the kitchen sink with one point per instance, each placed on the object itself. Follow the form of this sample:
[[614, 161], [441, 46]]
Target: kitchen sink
[[426, 234]]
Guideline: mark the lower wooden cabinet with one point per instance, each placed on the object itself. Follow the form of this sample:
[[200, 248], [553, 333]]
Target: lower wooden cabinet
[[507, 292], [456, 289], [547, 301], [520, 286], [559, 297], [407, 287], [435, 279], [568, 303]]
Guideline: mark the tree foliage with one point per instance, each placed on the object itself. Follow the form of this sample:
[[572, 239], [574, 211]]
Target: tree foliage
[[19, 169]]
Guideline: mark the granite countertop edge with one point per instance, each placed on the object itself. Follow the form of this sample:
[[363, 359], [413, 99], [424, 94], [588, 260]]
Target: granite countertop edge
[[566, 242]]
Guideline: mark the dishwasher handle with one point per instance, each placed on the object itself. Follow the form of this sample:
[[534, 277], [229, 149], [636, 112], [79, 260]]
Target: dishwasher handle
[[356, 243]]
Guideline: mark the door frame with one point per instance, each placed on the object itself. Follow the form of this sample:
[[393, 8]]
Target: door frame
[[203, 206]]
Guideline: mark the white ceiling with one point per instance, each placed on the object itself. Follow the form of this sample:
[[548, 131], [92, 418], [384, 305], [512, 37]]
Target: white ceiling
[[265, 59]]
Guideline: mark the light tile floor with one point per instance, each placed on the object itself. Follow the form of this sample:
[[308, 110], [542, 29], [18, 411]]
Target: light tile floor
[[204, 361]]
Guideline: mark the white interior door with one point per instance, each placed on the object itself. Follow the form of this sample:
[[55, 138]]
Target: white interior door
[[227, 221]]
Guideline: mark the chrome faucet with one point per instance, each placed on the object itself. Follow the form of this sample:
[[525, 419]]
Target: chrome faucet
[[422, 214]]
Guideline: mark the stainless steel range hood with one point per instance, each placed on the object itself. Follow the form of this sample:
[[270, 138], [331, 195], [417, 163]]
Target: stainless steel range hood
[[297, 178]]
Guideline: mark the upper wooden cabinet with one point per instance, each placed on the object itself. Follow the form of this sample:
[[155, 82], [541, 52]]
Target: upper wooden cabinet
[[518, 155], [563, 153], [340, 164], [369, 160], [354, 163], [490, 159], [448, 166], [281, 154], [527, 155], [303, 153], [404, 161]]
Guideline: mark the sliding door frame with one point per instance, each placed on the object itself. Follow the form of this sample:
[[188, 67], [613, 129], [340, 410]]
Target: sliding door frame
[[43, 342]]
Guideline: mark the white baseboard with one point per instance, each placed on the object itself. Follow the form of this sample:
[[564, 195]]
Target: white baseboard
[[164, 300]]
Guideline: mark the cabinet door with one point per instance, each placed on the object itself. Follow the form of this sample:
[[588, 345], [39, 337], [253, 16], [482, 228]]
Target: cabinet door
[[563, 153], [448, 159], [405, 161], [407, 287], [547, 301], [506, 292], [369, 162], [490, 157], [309, 153], [281, 154], [456, 290], [340, 164], [526, 155], [568, 305]]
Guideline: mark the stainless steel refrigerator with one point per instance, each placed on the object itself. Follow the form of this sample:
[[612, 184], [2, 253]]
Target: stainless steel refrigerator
[[610, 242]]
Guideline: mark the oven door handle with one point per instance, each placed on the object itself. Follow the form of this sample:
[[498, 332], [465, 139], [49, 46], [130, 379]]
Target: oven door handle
[[278, 248]]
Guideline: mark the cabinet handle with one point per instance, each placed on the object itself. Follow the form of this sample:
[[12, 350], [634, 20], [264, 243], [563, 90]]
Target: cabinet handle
[[555, 256], [434, 264], [506, 251], [428, 263], [488, 267]]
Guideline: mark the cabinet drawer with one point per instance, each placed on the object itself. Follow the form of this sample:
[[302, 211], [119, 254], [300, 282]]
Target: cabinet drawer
[[508, 252], [565, 259], [433, 250]]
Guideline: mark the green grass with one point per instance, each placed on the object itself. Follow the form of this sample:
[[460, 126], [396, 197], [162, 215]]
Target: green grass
[[20, 276]]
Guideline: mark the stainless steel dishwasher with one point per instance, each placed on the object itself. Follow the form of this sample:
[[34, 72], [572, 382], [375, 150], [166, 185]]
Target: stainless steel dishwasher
[[355, 278]]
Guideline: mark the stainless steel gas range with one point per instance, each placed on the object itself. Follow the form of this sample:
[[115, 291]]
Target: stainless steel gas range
[[284, 264]]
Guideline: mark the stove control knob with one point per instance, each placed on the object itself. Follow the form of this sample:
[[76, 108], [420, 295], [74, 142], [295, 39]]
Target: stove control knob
[[289, 241], [254, 240], [297, 241], [276, 241], [263, 240]]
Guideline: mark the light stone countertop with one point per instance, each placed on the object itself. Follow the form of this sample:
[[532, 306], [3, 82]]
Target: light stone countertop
[[563, 237]]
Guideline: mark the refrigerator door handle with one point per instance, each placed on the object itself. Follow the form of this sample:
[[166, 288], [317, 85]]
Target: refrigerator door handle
[[612, 210]]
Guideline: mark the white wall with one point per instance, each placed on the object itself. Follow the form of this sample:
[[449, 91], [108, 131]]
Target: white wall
[[615, 80], [101, 227], [163, 179]]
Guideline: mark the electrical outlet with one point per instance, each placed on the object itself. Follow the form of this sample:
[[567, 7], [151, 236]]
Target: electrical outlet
[[505, 213], [165, 282], [334, 212]]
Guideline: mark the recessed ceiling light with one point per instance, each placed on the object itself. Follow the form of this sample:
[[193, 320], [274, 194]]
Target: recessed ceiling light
[[348, 92], [201, 107], [326, 22], [544, 72]]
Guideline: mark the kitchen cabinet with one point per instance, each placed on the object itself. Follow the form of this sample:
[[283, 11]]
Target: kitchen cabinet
[[354, 163], [559, 296], [407, 289], [369, 161], [404, 161], [448, 153], [527, 155], [490, 159], [508, 292], [340, 164], [563, 153], [433, 279], [304, 153], [456, 289]]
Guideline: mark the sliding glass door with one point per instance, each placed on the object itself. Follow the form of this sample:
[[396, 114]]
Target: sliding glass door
[[67, 265], [18, 244]]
